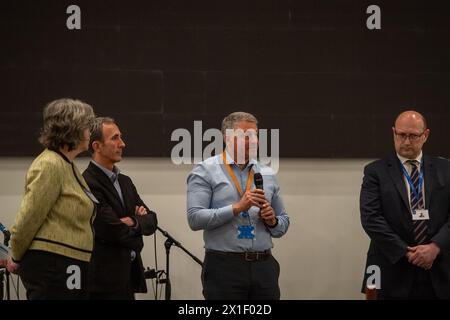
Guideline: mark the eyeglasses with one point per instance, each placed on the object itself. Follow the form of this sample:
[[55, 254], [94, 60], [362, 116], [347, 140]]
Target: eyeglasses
[[412, 137]]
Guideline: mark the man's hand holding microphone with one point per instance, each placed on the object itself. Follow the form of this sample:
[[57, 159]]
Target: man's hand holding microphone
[[255, 197]]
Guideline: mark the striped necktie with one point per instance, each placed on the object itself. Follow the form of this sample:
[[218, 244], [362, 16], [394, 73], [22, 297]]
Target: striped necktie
[[420, 226]]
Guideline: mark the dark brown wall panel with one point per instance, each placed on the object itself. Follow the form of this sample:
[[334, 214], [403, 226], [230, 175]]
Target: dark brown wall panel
[[309, 68]]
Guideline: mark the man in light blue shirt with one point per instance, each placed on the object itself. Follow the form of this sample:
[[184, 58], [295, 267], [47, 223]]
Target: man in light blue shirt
[[238, 220]]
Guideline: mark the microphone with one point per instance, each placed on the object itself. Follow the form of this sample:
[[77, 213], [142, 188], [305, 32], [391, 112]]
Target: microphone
[[259, 183]]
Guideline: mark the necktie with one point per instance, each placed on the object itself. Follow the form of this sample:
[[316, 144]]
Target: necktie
[[420, 226]]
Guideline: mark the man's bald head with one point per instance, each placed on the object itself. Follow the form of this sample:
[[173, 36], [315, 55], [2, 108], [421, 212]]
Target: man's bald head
[[410, 134], [411, 116]]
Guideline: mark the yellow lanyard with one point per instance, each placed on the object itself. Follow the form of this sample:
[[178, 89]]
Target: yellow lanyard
[[238, 187]]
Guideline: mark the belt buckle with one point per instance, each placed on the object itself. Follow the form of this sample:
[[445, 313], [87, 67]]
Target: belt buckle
[[251, 256]]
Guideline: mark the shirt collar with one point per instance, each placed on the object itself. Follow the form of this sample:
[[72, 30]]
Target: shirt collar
[[404, 160], [111, 174], [230, 160]]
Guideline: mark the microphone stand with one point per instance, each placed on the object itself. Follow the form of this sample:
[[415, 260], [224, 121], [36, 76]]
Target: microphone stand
[[168, 244]]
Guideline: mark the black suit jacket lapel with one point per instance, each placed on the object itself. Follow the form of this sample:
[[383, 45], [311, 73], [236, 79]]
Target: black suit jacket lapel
[[105, 181], [397, 177]]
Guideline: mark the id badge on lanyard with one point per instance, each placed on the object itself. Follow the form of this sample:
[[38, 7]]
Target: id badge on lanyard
[[419, 213]]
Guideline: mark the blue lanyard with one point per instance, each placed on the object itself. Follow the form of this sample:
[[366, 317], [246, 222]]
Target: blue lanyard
[[417, 191]]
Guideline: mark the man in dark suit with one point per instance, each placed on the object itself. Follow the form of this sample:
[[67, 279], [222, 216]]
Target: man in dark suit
[[405, 210], [122, 219]]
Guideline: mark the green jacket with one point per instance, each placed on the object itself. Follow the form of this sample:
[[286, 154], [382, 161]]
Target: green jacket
[[55, 215]]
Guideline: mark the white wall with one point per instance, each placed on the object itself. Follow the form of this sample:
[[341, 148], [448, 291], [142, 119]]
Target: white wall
[[322, 256]]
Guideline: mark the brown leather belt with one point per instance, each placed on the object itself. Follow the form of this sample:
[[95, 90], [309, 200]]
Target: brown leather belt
[[247, 255]]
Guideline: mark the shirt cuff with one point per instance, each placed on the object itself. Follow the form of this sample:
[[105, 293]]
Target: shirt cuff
[[275, 225], [276, 229], [136, 223], [227, 211]]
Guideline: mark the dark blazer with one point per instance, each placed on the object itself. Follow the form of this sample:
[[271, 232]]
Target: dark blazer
[[111, 266], [386, 218]]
